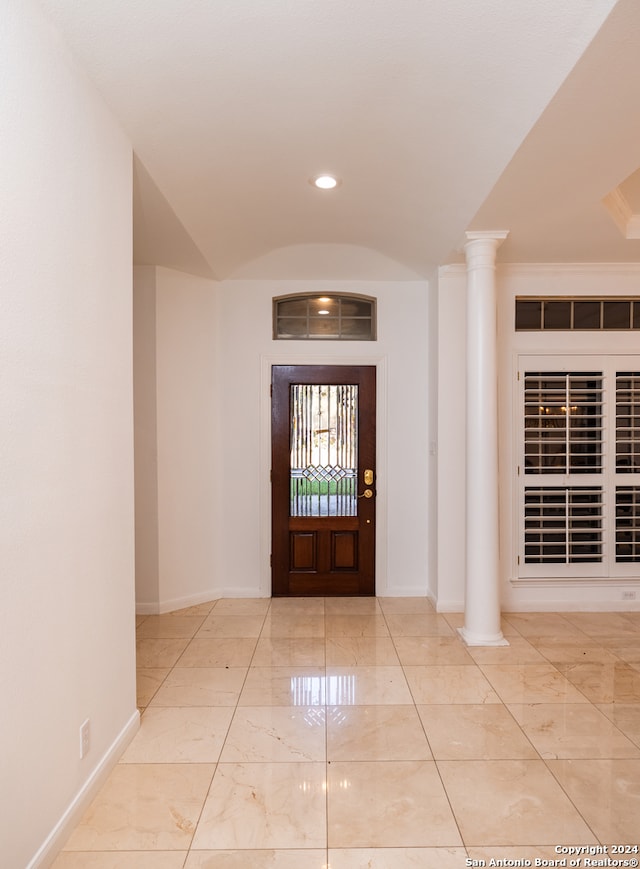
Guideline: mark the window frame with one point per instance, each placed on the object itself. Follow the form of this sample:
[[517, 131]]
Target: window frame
[[610, 478], [312, 317]]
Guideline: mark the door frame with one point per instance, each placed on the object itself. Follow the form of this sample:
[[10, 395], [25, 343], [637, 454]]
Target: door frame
[[380, 363]]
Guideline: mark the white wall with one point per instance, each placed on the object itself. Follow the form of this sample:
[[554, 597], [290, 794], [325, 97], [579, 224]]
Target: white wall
[[214, 351], [247, 352], [451, 376], [433, 344], [512, 281], [177, 461], [146, 438], [189, 460], [67, 647]]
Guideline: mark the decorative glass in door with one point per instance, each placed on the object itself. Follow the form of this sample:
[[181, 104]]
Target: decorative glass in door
[[324, 450]]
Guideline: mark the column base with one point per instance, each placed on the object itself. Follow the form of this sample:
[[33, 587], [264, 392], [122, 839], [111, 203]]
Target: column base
[[471, 639]]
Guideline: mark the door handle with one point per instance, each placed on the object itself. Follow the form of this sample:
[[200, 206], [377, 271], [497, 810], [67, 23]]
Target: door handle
[[368, 493]]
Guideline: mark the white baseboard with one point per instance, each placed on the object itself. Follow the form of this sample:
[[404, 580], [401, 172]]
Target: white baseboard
[[155, 608], [403, 591], [449, 606], [565, 606], [56, 839], [246, 591]]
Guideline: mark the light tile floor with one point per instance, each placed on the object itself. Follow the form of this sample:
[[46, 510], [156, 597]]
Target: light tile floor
[[332, 733]]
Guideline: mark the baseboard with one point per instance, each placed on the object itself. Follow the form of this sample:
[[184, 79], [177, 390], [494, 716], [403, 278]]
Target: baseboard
[[56, 839], [155, 608], [564, 606], [449, 606], [403, 591], [246, 591]]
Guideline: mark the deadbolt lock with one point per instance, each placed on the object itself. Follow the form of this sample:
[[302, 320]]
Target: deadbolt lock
[[368, 477]]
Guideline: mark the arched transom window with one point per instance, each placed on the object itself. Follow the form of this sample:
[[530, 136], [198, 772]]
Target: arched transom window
[[324, 316]]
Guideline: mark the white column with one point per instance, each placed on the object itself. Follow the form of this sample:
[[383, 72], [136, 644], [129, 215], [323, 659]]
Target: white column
[[482, 591]]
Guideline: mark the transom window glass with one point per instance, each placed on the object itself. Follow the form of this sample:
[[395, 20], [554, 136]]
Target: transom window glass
[[329, 317], [577, 314]]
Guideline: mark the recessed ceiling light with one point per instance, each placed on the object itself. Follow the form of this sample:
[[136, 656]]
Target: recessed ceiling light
[[323, 312], [325, 182]]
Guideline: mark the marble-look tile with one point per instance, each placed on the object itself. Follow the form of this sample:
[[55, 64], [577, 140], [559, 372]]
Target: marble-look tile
[[418, 625], [388, 804], [201, 686], [294, 858], [626, 652], [625, 716], [146, 807], [449, 684], [562, 730], [508, 630], [155, 653], [356, 626], [366, 686], [169, 627], [225, 652], [511, 802], [408, 605], [603, 624], [611, 641], [543, 624], [575, 653], [474, 732], [120, 860], [276, 733], [301, 624], [294, 606], [148, 680], [531, 683], [375, 733], [351, 606], [179, 735], [245, 606], [361, 652], [606, 793], [432, 651], [289, 652], [507, 856], [396, 858], [454, 620], [605, 683], [284, 686], [519, 651], [225, 625], [198, 609], [264, 805]]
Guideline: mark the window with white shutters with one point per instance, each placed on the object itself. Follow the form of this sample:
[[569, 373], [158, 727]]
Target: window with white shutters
[[563, 422], [579, 472]]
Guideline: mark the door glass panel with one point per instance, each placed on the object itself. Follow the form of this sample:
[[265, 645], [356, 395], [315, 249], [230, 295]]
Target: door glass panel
[[324, 450]]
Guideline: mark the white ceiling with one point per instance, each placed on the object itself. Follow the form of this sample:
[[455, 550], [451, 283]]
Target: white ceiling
[[437, 115]]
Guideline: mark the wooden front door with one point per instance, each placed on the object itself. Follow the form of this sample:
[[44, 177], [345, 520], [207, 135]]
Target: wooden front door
[[323, 480]]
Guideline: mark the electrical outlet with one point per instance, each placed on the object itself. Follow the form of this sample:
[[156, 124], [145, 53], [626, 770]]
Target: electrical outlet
[[628, 595], [85, 738]]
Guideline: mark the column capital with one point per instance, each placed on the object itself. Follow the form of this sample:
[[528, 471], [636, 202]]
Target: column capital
[[497, 235], [481, 246]]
